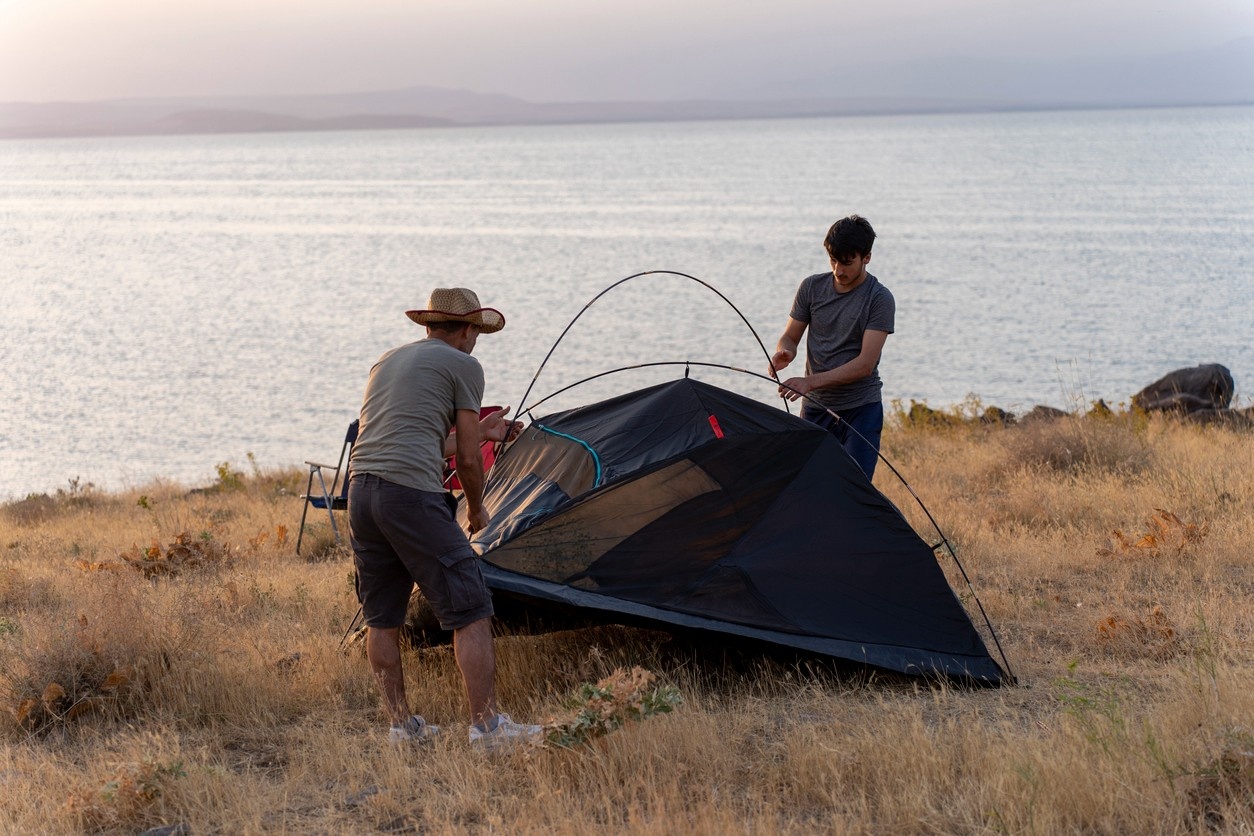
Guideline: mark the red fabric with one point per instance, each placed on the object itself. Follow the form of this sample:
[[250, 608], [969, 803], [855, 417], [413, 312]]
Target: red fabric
[[487, 449], [718, 431]]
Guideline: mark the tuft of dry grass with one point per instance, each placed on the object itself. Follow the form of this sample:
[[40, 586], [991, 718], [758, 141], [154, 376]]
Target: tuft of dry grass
[[1081, 444], [1110, 554]]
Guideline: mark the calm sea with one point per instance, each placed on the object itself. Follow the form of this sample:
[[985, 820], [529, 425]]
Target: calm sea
[[172, 303]]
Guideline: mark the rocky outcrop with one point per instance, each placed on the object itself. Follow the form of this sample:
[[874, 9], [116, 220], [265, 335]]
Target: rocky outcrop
[[1184, 391], [1100, 409], [998, 416], [1040, 412], [1201, 394], [1242, 418]]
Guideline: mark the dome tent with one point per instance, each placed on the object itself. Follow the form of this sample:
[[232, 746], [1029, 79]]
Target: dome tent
[[684, 505]]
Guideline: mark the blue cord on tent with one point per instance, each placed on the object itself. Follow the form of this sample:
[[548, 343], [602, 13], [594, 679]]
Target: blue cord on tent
[[595, 458]]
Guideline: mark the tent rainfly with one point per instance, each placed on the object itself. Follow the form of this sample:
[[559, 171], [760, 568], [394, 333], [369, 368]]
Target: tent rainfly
[[683, 505]]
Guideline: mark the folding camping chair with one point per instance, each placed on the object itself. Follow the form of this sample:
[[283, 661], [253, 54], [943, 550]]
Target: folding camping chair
[[334, 498]]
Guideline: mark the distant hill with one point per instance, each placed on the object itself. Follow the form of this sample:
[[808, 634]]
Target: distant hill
[[1219, 75], [218, 120], [416, 107], [154, 117]]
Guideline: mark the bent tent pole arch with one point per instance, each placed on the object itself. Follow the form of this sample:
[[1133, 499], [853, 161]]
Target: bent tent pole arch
[[522, 403]]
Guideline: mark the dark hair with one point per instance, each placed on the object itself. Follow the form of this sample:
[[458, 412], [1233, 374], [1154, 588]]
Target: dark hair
[[447, 326], [849, 238]]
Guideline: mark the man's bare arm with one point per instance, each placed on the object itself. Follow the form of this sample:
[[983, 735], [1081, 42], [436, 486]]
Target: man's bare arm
[[786, 348], [856, 369], [470, 467], [492, 427]]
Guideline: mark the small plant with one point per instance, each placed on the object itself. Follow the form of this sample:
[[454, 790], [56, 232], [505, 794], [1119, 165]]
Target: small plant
[[971, 412], [78, 492], [1153, 632], [127, 799], [183, 554], [1098, 710], [1100, 410], [919, 414], [618, 699], [57, 705], [1167, 535], [228, 479], [280, 538]]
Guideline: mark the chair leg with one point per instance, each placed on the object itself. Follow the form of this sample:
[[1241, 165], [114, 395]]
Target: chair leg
[[304, 511], [326, 497]]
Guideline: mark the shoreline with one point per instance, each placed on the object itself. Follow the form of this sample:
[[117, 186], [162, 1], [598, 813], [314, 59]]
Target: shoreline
[[899, 418]]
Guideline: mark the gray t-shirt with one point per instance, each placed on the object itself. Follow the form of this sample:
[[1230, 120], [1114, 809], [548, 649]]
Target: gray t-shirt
[[409, 408], [835, 325]]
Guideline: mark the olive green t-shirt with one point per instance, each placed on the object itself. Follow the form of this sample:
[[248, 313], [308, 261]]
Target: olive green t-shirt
[[411, 399]]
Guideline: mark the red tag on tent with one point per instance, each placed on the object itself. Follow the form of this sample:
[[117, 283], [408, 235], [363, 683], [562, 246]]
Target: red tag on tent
[[718, 431]]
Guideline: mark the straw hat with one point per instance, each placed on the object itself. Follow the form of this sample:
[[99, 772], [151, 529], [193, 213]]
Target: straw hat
[[458, 304]]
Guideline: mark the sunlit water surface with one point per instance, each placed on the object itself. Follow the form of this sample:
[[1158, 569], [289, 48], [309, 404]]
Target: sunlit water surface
[[172, 303]]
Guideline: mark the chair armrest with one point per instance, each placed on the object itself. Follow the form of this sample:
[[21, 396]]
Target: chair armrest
[[323, 466]]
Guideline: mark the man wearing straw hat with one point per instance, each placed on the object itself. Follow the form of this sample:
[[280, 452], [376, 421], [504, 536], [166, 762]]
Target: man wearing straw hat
[[401, 520]]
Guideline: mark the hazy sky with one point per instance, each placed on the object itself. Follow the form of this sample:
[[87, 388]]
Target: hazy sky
[[549, 49]]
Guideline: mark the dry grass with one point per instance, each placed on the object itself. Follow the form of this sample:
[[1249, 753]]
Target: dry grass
[[166, 658]]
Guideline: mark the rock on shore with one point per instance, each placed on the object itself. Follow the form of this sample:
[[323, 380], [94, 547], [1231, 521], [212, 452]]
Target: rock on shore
[[1201, 394]]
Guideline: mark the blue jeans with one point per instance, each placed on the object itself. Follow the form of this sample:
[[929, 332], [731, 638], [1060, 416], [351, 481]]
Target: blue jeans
[[858, 430]]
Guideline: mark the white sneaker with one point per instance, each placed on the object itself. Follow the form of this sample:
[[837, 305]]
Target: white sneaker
[[507, 733], [415, 728]]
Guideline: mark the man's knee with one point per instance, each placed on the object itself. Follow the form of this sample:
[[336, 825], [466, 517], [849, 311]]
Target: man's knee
[[476, 628], [383, 646]]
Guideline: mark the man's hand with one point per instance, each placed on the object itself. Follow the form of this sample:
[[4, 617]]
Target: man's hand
[[786, 347], [494, 427], [794, 387], [780, 360], [477, 520]]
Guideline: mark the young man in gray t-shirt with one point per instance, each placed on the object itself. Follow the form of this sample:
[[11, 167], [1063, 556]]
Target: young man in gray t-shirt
[[849, 315]]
